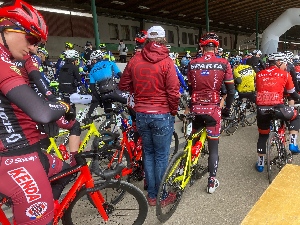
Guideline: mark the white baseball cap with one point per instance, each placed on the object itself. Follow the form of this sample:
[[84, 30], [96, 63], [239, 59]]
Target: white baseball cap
[[156, 32]]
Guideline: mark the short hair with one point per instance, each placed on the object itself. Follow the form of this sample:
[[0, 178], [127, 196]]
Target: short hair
[[158, 40], [208, 48]]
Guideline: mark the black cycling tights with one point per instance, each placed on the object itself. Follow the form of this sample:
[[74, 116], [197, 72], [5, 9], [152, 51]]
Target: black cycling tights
[[261, 143], [213, 159]]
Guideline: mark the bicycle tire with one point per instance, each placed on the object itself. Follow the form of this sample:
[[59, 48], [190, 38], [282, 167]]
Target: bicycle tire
[[105, 159], [81, 210], [250, 114], [276, 156], [176, 166], [176, 143]]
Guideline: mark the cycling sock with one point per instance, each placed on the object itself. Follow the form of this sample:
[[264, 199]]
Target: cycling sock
[[293, 139], [261, 160], [72, 158]]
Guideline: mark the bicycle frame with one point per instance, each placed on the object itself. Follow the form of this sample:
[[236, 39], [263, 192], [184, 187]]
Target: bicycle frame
[[185, 178], [92, 130]]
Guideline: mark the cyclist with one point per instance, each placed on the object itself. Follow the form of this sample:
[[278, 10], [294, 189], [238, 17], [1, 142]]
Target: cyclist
[[102, 82], [206, 75], [44, 64], [140, 40], [68, 77], [255, 61], [244, 77], [270, 85], [219, 52], [61, 60], [151, 76], [291, 69], [21, 108]]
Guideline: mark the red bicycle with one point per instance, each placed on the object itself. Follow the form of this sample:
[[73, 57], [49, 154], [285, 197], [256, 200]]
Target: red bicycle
[[130, 150], [93, 201]]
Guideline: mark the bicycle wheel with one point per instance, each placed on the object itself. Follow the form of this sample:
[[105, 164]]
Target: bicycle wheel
[[171, 184], [276, 156], [109, 157], [250, 113], [175, 139], [132, 210]]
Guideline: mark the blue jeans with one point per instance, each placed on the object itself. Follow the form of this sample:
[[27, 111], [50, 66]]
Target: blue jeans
[[156, 131]]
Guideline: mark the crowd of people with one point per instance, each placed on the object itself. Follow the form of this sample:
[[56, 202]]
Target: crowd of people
[[154, 79]]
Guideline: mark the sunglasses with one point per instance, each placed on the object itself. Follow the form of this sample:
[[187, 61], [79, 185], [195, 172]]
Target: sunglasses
[[31, 38]]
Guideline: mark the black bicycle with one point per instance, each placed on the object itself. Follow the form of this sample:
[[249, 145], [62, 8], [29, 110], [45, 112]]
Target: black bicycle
[[243, 113]]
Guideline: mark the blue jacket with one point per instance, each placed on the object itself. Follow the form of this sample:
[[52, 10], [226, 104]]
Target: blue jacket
[[103, 70]]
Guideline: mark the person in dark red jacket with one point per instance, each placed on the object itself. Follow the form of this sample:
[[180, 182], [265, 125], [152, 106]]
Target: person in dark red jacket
[[206, 76], [151, 76]]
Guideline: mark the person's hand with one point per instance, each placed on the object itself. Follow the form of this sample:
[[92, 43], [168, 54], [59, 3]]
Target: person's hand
[[225, 112], [51, 129], [70, 115], [70, 111]]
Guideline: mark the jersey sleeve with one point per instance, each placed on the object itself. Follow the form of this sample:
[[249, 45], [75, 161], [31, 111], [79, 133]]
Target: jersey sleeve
[[228, 78], [290, 88], [236, 74]]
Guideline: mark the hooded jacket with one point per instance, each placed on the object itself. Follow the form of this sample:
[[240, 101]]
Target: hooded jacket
[[151, 76]]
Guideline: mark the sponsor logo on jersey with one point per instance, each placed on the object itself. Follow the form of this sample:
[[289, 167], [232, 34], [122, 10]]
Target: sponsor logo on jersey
[[201, 66], [14, 68], [36, 210], [20, 160], [26, 182], [204, 72]]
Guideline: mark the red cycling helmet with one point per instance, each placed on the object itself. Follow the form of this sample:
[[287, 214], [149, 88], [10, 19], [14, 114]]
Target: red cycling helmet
[[210, 39], [141, 37], [28, 17]]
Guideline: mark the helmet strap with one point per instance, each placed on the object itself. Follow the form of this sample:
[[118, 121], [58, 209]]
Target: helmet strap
[[4, 40]]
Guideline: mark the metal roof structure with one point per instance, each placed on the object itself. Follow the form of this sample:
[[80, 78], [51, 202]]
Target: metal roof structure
[[234, 16]]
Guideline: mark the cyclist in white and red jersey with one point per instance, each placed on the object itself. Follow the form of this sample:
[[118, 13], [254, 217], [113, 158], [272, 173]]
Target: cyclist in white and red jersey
[[270, 85], [206, 75], [24, 168]]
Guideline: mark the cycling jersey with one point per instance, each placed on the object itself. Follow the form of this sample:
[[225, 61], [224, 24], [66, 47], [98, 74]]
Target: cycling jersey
[[103, 70], [270, 84], [206, 78], [247, 75], [290, 68]]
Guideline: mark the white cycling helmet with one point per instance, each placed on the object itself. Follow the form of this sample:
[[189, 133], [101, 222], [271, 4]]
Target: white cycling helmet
[[289, 54], [220, 50], [168, 47], [71, 54], [296, 57], [257, 52], [278, 56], [172, 55], [98, 54]]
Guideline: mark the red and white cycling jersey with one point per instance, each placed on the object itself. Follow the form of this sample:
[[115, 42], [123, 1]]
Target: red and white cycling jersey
[[270, 85]]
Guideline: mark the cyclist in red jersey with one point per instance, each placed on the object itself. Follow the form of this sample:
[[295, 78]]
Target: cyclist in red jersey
[[206, 75], [270, 85], [24, 168]]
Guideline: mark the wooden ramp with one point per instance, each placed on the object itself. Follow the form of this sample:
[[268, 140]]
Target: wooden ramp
[[280, 203]]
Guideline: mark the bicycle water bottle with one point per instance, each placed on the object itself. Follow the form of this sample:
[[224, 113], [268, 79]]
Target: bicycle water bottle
[[196, 149], [64, 152]]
